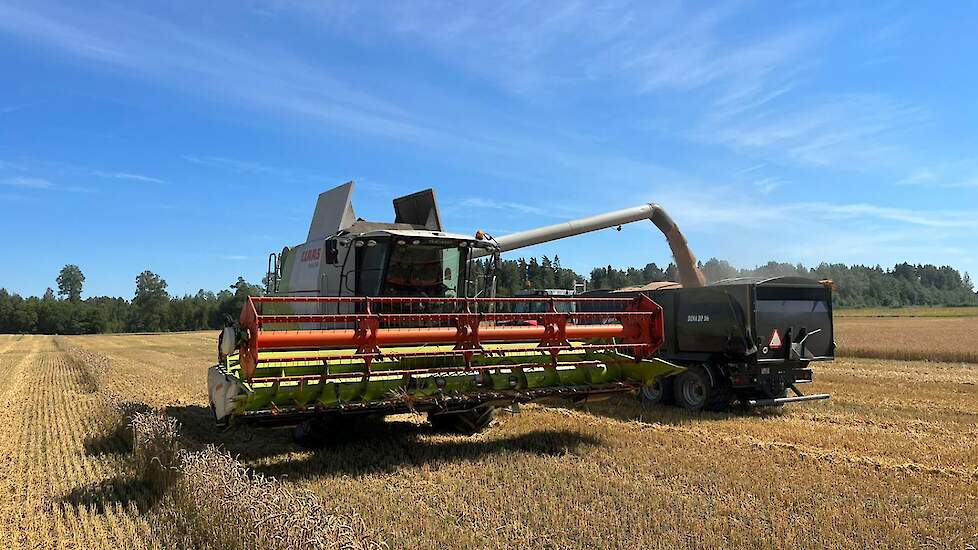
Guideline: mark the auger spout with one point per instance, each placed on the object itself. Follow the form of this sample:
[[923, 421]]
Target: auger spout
[[689, 274]]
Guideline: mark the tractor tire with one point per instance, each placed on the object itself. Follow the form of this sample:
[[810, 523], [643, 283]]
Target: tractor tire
[[659, 392], [694, 390], [467, 422]]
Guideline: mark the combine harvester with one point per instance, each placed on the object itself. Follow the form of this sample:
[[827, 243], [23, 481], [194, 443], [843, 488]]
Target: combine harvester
[[368, 319]]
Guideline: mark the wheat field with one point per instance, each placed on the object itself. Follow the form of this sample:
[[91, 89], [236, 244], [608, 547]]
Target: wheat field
[[917, 337], [912, 311], [891, 460]]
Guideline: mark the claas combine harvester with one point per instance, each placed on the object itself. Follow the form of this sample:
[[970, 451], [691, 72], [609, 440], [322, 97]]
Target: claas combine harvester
[[366, 319]]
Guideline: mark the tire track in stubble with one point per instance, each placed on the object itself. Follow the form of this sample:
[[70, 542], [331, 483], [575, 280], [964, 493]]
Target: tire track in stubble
[[812, 452], [58, 493], [14, 373]]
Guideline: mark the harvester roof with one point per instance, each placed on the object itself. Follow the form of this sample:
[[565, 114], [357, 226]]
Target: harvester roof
[[416, 234], [416, 217]]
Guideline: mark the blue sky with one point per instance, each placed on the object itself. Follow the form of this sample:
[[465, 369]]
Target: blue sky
[[192, 138]]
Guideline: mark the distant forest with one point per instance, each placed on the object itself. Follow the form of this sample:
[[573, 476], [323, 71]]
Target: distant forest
[[856, 286], [153, 309]]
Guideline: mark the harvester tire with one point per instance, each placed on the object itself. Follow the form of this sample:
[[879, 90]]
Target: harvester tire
[[467, 422], [320, 431], [310, 434], [659, 392]]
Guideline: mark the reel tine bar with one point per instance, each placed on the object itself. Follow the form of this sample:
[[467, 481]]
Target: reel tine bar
[[368, 328]]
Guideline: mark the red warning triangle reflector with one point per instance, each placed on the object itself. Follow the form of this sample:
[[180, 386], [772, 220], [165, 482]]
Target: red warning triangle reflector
[[775, 340]]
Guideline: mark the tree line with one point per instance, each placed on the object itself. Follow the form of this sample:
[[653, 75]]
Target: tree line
[[153, 309], [856, 286]]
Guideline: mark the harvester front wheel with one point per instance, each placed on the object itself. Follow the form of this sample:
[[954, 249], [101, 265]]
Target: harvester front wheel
[[310, 434], [320, 431], [462, 422]]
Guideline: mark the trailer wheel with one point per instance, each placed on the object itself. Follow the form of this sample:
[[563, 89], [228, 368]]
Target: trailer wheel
[[659, 392], [467, 422], [692, 389]]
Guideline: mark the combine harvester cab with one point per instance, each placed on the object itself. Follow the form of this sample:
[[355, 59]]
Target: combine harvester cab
[[370, 318]]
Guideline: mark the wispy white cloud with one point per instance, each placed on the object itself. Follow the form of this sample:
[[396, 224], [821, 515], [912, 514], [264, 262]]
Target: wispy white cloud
[[767, 185], [957, 174], [279, 173], [720, 209], [15, 166], [14, 197], [747, 83], [528, 48], [693, 54], [17, 107], [516, 207], [28, 183], [127, 176], [236, 165], [42, 184], [761, 228], [849, 130], [193, 59], [947, 219], [235, 257], [753, 91]]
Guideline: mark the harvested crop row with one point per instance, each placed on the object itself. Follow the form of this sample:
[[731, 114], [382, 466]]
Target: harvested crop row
[[215, 501], [209, 499], [60, 487]]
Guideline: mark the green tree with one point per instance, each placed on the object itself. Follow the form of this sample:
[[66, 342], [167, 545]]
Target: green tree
[[149, 306], [231, 304], [718, 270], [70, 281]]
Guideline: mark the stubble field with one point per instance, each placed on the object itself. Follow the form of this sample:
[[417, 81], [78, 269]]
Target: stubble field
[[890, 460]]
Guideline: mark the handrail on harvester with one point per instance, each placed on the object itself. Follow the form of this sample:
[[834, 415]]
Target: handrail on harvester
[[636, 328]]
